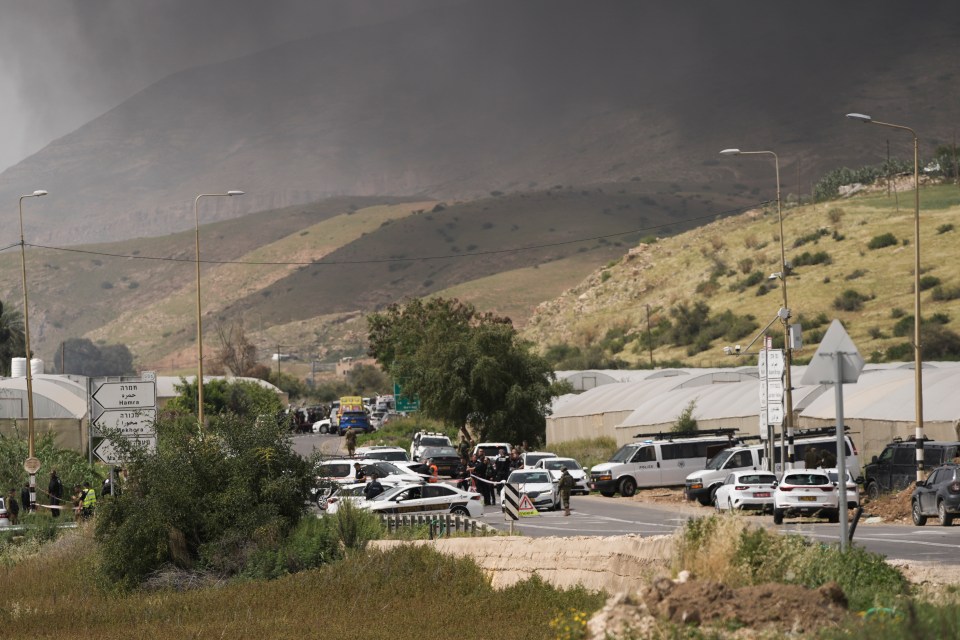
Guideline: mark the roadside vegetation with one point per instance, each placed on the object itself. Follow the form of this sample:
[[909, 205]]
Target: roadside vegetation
[[587, 452]]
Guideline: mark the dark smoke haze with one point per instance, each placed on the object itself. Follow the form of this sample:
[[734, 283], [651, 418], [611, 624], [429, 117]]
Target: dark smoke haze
[[64, 62]]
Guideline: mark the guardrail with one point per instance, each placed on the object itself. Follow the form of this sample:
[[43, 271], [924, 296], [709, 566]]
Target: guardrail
[[440, 525]]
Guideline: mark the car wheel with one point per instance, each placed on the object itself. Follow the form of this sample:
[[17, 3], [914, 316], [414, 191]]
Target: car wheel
[[833, 517], [324, 429], [628, 487], [778, 516], [607, 494], [705, 501], [873, 490], [713, 493], [460, 511], [946, 519], [918, 518]]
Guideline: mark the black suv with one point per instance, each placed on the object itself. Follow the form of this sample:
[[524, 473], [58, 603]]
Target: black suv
[[896, 466], [938, 495]]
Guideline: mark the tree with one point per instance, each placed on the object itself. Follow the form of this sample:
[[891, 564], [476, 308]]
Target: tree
[[366, 378], [12, 341], [83, 357], [242, 398], [237, 354], [465, 366]]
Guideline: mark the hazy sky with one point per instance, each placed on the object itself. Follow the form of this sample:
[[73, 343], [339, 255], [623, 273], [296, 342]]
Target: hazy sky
[[64, 62]]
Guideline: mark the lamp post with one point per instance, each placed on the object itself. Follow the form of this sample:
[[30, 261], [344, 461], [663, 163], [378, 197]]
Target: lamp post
[[917, 351], [196, 216], [784, 313], [31, 465]]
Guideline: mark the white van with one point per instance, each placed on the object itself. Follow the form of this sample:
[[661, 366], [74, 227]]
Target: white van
[[702, 485], [654, 463]]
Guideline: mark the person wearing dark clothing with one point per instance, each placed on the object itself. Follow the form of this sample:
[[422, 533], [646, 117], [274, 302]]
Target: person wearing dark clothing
[[55, 489], [502, 466], [13, 509], [373, 488], [812, 458], [25, 501], [566, 486], [480, 471], [516, 462], [361, 476]]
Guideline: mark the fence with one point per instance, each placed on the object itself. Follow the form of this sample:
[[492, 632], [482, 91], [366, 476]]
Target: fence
[[440, 525]]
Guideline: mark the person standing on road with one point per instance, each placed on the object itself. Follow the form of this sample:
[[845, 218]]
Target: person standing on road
[[566, 486], [480, 477], [13, 508], [55, 489], [811, 457], [351, 438]]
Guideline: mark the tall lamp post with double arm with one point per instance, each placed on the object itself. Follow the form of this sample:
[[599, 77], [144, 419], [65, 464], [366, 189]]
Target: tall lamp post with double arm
[[196, 216], [917, 351]]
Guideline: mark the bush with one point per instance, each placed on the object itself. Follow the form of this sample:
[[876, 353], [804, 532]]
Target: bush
[[850, 300], [807, 258], [314, 542], [587, 452], [855, 274], [810, 237], [881, 241], [944, 228], [928, 282], [942, 293], [686, 423], [205, 500]]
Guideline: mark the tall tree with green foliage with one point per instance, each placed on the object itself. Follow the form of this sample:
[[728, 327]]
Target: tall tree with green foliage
[[221, 397], [82, 357], [467, 367]]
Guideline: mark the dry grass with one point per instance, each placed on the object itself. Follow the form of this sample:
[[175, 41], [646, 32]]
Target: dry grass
[[394, 594]]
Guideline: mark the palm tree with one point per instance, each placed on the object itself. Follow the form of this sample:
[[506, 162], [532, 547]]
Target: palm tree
[[12, 341]]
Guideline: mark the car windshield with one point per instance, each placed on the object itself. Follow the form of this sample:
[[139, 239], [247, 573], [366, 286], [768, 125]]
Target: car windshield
[[440, 452], [386, 455], [351, 492], [806, 479], [334, 470], [427, 441], [624, 453], [534, 458], [557, 465], [717, 461], [836, 474], [528, 477], [389, 493], [386, 467], [757, 478]]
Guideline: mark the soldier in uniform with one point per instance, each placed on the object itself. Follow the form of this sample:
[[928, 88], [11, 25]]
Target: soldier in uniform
[[566, 486], [351, 437]]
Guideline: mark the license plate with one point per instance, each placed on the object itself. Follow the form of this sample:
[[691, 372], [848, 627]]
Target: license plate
[[592, 486], [808, 498], [761, 494]]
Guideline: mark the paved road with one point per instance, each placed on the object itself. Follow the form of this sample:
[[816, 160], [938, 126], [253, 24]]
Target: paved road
[[598, 516]]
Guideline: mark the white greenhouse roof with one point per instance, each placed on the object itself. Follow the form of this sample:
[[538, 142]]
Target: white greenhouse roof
[[53, 397]]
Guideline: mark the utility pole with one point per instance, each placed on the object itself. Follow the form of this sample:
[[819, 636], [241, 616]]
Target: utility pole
[[649, 337], [278, 364]]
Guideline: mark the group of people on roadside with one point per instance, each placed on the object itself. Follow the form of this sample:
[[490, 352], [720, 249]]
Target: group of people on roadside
[[82, 500]]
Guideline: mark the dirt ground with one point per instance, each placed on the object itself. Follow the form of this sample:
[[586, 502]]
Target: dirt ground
[[762, 611]]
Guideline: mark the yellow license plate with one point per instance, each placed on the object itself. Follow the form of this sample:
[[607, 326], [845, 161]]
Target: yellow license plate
[[808, 498]]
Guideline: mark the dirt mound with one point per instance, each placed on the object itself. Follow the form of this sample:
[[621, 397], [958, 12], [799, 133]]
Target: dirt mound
[[770, 608], [892, 507]]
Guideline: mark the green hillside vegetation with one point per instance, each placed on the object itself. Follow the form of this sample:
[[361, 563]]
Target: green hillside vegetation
[[318, 269], [715, 281]]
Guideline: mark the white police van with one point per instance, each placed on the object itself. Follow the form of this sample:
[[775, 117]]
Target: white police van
[[662, 461], [701, 485]]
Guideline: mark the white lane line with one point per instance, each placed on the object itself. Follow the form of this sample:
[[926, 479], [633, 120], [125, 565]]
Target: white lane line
[[857, 538]]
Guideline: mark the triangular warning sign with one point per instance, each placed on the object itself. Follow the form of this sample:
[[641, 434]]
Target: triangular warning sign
[[526, 508]]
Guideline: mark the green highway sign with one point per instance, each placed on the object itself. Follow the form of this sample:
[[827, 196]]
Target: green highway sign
[[404, 404]]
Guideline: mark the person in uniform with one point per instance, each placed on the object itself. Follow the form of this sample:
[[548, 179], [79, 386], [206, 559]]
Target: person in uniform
[[351, 437], [566, 486]]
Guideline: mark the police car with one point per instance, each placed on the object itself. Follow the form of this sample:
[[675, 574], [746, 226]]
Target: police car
[[424, 499]]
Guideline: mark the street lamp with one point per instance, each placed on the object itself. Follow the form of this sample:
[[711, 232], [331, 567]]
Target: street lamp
[[196, 216], [784, 313], [31, 465], [917, 351]]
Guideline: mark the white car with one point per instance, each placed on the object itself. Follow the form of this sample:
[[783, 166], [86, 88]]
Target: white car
[[539, 487], [427, 498], [806, 493], [853, 492], [424, 439], [746, 490], [555, 467], [383, 452], [322, 426], [531, 458], [350, 492]]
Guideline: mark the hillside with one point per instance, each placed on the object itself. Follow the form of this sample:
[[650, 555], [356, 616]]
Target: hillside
[[476, 97], [304, 277], [726, 265]]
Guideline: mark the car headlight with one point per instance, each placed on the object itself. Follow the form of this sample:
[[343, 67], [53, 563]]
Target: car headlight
[[604, 476], [696, 485]]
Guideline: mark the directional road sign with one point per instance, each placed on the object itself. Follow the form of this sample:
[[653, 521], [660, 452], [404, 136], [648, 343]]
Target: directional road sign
[[137, 423], [110, 454], [126, 395], [775, 413], [770, 364], [771, 390]]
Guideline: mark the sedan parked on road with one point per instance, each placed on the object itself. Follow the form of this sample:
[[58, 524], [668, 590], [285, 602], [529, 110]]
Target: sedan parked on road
[[806, 493], [539, 487], [938, 495], [746, 490], [427, 498], [555, 467]]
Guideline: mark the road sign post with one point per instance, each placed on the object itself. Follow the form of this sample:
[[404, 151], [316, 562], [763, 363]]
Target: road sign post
[[124, 409]]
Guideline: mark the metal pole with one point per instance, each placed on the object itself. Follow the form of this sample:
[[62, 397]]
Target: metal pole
[[917, 345], [196, 216], [841, 452], [649, 337]]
